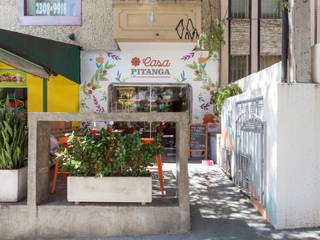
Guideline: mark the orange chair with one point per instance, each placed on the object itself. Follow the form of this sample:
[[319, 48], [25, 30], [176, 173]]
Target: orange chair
[[64, 141], [159, 164]]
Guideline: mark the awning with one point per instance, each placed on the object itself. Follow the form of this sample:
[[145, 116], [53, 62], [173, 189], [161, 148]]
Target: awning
[[22, 64], [55, 57]]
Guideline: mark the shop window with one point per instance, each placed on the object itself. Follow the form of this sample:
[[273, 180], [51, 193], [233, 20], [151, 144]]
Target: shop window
[[270, 9], [149, 98], [267, 61], [50, 12], [239, 67], [240, 9]]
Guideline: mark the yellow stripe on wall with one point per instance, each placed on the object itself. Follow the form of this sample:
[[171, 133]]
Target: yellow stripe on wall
[[63, 95], [35, 94]]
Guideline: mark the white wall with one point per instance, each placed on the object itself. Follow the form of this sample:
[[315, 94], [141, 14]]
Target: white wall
[[292, 116], [261, 84], [299, 156]]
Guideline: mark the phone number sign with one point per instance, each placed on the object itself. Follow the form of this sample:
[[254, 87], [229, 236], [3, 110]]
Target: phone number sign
[[50, 12], [51, 8]]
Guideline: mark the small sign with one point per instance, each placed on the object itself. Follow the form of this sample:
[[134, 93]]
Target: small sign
[[198, 138], [50, 12], [12, 78]]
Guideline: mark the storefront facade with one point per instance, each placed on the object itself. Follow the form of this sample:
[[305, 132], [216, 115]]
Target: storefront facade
[[166, 80]]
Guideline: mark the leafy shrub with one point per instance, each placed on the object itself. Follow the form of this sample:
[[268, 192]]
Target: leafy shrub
[[108, 154], [220, 94], [13, 139]]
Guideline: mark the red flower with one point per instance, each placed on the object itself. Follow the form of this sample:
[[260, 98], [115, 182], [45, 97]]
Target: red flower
[[135, 61], [93, 88], [89, 91], [197, 72]]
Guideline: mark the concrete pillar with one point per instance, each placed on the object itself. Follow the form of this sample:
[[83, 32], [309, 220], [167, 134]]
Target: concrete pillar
[[299, 41]]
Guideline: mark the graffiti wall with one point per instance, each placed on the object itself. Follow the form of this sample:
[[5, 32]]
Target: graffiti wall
[[101, 68]]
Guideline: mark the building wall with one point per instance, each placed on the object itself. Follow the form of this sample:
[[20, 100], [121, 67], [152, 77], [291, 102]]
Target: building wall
[[63, 94], [244, 39], [96, 31], [270, 37], [240, 37]]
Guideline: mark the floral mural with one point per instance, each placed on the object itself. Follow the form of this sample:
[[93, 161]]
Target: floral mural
[[101, 68]]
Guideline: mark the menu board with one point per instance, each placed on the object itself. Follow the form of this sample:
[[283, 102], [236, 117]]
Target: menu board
[[198, 138]]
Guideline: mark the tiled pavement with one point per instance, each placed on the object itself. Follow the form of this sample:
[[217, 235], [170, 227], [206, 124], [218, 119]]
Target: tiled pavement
[[220, 212]]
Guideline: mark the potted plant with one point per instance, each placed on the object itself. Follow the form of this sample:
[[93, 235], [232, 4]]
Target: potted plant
[[13, 151], [109, 167]]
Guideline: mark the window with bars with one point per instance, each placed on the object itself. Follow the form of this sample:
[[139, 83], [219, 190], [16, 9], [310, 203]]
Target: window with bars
[[239, 67], [240, 8], [270, 9]]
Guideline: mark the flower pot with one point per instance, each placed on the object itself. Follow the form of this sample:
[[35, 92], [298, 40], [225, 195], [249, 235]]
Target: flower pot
[[13, 185], [110, 189]]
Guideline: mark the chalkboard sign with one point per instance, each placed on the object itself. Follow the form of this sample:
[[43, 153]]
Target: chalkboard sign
[[198, 138]]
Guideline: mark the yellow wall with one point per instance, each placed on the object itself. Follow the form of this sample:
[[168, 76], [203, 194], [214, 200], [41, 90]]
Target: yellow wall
[[63, 94]]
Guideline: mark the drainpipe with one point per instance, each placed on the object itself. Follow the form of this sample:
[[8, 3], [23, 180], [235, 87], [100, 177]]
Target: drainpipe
[[284, 49]]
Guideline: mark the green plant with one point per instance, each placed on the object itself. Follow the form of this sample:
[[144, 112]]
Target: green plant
[[13, 139], [283, 5], [220, 94], [108, 154], [213, 38]]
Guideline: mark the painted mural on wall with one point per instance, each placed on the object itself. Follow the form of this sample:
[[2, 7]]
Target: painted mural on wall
[[99, 69]]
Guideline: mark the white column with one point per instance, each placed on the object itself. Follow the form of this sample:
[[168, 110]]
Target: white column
[[299, 41]]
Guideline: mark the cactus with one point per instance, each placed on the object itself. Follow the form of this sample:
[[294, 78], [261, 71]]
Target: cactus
[[13, 139]]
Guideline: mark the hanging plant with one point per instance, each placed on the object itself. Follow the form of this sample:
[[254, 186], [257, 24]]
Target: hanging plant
[[283, 5], [212, 39]]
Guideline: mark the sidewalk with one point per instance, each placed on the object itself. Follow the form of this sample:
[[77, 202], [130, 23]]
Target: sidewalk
[[220, 212]]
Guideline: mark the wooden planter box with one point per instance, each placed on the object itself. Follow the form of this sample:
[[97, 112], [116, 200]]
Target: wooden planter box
[[13, 185], [110, 189]]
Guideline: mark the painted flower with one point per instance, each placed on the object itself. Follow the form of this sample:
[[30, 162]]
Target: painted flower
[[104, 72], [202, 60], [135, 61], [90, 91], [197, 72], [99, 59], [208, 118]]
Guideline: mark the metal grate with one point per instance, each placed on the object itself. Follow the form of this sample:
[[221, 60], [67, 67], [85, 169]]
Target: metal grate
[[250, 148], [226, 160]]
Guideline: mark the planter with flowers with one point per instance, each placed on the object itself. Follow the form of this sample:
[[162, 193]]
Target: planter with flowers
[[13, 151], [109, 167]]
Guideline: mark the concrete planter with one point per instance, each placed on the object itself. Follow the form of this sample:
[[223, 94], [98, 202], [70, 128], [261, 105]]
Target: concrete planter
[[110, 189], [14, 184]]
